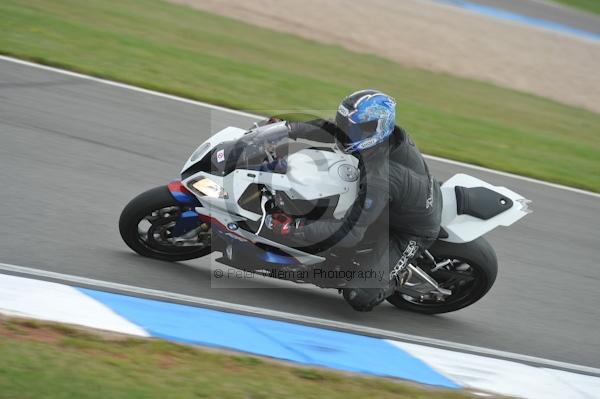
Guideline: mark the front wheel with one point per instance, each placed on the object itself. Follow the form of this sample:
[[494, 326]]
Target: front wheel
[[155, 225], [468, 270]]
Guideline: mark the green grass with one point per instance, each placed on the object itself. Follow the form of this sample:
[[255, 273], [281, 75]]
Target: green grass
[[203, 56], [42, 360], [586, 5]]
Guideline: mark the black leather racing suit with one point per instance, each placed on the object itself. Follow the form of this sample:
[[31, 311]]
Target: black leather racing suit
[[397, 213]]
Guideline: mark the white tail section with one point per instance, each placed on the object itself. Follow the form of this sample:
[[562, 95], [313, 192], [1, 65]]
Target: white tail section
[[465, 228]]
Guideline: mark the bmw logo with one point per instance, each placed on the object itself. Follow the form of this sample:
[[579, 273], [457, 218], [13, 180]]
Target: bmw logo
[[232, 226], [348, 172]]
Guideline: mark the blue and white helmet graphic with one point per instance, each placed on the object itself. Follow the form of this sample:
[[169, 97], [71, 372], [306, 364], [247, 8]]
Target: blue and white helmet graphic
[[365, 118]]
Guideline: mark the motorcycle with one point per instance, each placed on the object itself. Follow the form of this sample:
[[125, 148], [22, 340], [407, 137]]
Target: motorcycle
[[236, 180]]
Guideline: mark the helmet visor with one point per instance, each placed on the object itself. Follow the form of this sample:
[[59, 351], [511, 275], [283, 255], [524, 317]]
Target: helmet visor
[[351, 133]]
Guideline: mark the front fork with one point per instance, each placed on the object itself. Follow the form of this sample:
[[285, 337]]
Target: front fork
[[189, 221]]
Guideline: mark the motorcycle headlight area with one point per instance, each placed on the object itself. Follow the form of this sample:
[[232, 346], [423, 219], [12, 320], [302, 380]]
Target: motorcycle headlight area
[[209, 188]]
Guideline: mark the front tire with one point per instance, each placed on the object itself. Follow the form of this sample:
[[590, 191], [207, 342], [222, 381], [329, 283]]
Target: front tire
[[476, 261], [158, 208]]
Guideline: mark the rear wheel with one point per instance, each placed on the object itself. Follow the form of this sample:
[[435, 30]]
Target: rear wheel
[[468, 270], [149, 226]]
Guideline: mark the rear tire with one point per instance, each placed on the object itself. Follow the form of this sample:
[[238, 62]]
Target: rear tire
[[139, 208], [481, 258]]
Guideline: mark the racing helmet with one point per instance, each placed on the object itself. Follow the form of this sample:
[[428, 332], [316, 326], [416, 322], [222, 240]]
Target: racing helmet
[[364, 119]]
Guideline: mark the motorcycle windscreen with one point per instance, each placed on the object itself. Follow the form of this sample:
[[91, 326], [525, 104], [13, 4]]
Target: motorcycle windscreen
[[264, 150]]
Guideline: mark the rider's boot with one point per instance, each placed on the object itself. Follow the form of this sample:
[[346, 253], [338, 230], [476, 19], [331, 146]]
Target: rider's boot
[[365, 299]]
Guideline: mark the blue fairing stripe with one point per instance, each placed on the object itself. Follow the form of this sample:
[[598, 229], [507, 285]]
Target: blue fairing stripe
[[182, 194], [182, 197], [275, 258]]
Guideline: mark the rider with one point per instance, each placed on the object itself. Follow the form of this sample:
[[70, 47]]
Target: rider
[[398, 198]]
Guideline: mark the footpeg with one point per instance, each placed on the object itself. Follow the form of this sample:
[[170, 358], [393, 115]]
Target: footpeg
[[428, 279]]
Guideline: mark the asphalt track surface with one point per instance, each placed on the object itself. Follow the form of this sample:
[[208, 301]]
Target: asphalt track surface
[[547, 10], [73, 152]]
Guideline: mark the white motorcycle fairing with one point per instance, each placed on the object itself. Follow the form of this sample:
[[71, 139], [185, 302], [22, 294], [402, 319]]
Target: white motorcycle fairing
[[464, 227], [311, 174]]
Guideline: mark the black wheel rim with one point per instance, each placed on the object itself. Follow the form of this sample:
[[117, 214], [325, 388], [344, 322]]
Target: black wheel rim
[[155, 232], [463, 278]]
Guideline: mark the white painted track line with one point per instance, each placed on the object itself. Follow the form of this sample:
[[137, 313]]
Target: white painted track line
[[254, 116], [315, 321], [38, 299]]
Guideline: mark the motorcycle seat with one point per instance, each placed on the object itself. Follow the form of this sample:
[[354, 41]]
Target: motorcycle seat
[[480, 202]]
